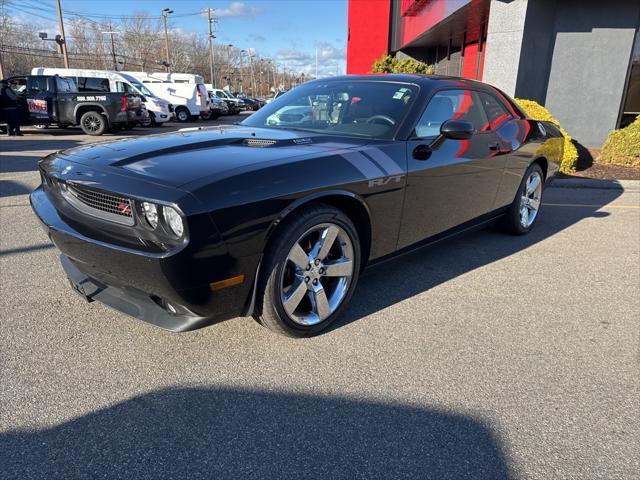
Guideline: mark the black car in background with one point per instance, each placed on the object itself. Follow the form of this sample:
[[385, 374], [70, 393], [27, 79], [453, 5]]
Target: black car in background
[[252, 103], [277, 221]]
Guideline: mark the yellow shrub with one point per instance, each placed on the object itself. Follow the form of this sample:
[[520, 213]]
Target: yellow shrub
[[389, 64], [623, 146], [538, 112]]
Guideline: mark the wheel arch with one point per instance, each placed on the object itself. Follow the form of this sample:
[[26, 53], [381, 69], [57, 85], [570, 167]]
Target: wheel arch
[[544, 165], [350, 203], [88, 107]]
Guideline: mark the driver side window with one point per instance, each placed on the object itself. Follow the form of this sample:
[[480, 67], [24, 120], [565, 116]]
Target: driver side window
[[447, 105]]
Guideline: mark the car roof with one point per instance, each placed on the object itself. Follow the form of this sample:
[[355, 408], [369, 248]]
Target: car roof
[[415, 78]]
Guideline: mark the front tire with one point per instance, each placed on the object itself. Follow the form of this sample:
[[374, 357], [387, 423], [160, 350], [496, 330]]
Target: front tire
[[183, 115], [309, 272], [524, 210], [93, 123]]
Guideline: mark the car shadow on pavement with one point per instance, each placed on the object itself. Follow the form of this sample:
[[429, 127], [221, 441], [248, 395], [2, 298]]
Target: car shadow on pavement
[[32, 145], [426, 268], [11, 188], [239, 434]]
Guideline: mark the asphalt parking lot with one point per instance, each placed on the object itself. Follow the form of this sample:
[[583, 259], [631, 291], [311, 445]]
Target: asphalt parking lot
[[488, 357]]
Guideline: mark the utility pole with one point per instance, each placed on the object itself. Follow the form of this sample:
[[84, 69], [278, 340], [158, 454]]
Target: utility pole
[[113, 47], [1, 69], [242, 52], [63, 42], [253, 77], [211, 54], [165, 13]]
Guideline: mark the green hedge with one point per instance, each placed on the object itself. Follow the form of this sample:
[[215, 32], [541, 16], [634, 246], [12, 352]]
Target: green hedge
[[389, 64], [622, 146], [538, 112]]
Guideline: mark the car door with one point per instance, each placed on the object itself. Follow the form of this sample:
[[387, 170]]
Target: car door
[[40, 99], [64, 106], [457, 180]]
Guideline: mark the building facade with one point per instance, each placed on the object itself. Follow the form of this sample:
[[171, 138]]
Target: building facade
[[579, 58]]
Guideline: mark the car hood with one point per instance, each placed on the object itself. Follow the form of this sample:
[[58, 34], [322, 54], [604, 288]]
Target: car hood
[[178, 158]]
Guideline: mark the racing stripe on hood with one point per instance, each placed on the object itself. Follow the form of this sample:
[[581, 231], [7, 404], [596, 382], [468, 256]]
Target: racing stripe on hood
[[384, 161], [367, 167]]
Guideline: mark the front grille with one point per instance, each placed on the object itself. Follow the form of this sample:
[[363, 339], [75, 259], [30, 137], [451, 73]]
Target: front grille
[[97, 203], [258, 142]]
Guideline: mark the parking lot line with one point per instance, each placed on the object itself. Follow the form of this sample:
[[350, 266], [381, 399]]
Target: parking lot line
[[588, 206]]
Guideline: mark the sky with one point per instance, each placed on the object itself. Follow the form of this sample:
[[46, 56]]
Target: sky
[[287, 30]]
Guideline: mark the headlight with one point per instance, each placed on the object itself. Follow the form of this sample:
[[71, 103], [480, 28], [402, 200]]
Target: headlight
[[174, 221], [150, 213]]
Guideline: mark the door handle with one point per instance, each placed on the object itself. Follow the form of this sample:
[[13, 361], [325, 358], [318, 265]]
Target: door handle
[[494, 146]]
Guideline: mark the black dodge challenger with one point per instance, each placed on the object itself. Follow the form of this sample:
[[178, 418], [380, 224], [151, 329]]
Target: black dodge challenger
[[277, 216]]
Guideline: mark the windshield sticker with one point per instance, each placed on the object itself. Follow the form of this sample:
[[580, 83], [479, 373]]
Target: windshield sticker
[[400, 93]]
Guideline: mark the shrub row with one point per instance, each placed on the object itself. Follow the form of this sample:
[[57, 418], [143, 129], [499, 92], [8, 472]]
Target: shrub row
[[622, 146]]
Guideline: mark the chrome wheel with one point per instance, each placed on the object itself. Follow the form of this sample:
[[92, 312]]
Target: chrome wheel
[[317, 274], [530, 200]]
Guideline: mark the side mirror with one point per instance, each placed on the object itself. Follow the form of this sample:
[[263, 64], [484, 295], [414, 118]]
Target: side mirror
[[457, 130], [453, 129]]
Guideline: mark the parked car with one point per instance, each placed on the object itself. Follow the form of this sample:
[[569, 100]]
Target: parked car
[[217, 106], [250, 102], [101, 81], [235, 104], [54, 100], [190, 100], [188, 228]]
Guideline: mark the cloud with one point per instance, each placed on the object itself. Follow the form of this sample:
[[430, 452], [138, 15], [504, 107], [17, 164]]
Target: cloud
[[326, 51], [254, 37], [331, 60], [236, 9]]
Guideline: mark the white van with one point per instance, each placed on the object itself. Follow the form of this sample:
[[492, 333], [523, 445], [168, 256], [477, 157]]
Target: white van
[[161, 77], [111, 81], [190, 100]]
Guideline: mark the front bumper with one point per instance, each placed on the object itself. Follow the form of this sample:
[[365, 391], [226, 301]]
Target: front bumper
[[171, 290], [133, 302]]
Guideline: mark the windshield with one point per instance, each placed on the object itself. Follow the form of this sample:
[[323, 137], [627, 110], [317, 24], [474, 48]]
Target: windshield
[[144, 90], [355, 108]]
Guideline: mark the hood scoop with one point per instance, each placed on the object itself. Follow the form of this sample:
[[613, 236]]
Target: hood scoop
[[258, 142], [268, 142]]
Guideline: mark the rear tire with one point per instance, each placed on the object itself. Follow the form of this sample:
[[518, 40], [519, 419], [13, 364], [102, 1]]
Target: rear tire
[[183, 115], [93, 123], [205, 115], [524, 211], [309, 272]]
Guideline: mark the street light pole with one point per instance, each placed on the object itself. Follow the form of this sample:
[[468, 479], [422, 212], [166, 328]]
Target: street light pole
[[63, 42], [165, 13], [211, 54]]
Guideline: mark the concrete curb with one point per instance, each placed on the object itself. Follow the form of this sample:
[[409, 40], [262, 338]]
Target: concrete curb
[[626, 185]]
